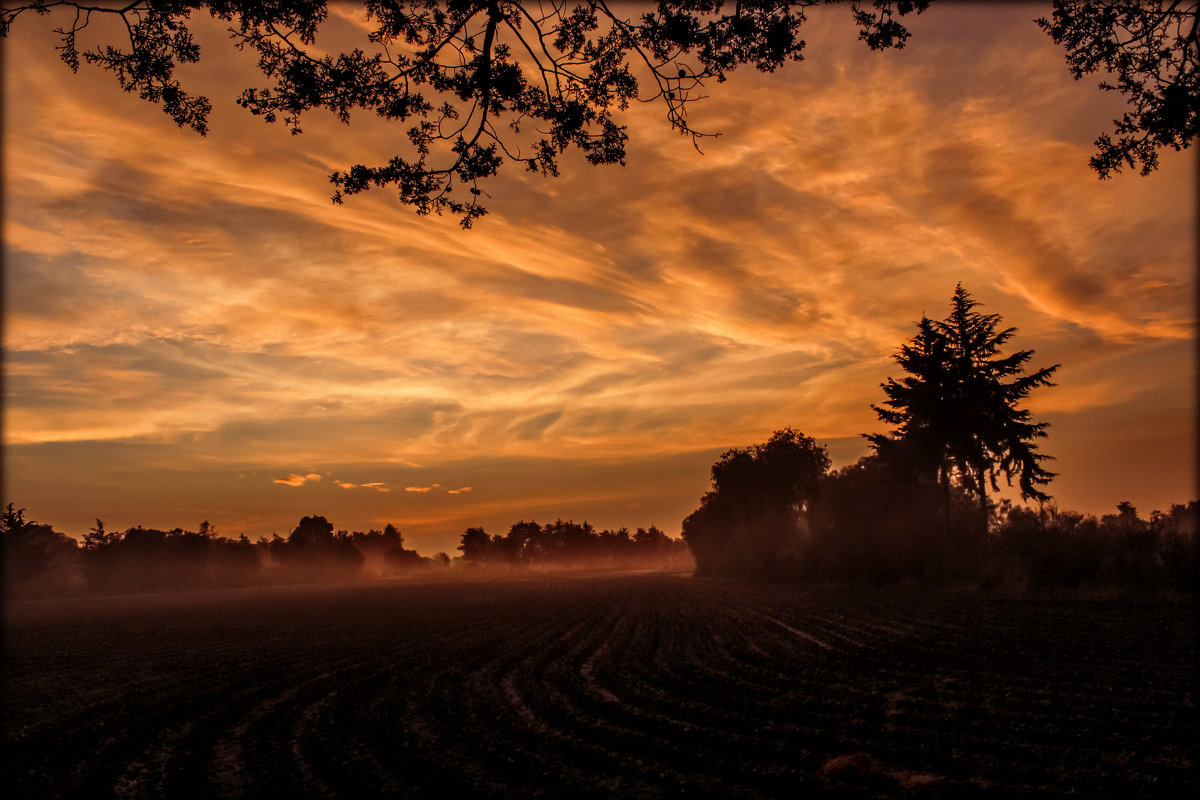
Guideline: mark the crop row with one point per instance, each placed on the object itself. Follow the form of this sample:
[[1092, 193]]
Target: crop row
[[605, 686]]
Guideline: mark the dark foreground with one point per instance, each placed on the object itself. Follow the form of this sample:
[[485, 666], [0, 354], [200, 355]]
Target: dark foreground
[[638, 686]]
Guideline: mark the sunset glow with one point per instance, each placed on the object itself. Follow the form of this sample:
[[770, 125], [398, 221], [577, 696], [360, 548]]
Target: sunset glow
[[193, 331]]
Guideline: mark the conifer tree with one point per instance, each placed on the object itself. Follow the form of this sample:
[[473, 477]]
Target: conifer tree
[[958, 409]]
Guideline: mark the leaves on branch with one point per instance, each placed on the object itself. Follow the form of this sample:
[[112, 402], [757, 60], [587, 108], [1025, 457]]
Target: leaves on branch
[[1152, 52]]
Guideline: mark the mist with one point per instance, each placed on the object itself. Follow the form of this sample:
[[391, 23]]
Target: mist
[[42, 562]]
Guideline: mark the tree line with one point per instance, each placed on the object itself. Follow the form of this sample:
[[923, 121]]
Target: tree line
[[39, 561], [570, 543], [920, 507], [876, 522]]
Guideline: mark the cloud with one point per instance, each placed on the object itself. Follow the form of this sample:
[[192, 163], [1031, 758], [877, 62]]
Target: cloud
[[533, 428], [298, 480], [378, 486], [435, 487]]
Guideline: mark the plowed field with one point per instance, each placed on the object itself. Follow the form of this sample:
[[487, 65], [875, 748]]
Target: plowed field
[[632, 686]]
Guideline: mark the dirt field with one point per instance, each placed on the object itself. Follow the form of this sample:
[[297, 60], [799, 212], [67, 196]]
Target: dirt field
[[632, 686]]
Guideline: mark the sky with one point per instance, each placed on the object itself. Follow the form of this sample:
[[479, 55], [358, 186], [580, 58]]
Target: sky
[[192, 331]]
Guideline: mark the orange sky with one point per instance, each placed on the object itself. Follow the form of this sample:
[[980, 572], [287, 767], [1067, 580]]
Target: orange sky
[[192, 331]]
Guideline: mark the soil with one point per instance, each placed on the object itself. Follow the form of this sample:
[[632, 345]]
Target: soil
[[601, 686]]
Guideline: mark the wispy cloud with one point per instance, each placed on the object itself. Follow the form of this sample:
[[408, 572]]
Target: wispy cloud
[[377, 486], [298, 480]]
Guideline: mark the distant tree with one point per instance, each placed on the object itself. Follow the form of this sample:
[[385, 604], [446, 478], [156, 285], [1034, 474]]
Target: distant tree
[[402, 559], [1135, 558], [1178, 542], [651, 543], [313, 552], [958, 408], [568, 541], [754, 522], [1053, 548], [97, 537], [383, 550], [483, 82], [311, 531], [650, 537], [13, 519], [1063, 549], [234, 562], [1126, 518], [520, 541], [101, 559], [142, 561], [35, 559], [476, 546]]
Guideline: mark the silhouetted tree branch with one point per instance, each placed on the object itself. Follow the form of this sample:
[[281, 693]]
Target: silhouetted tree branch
[[1153, 52]]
